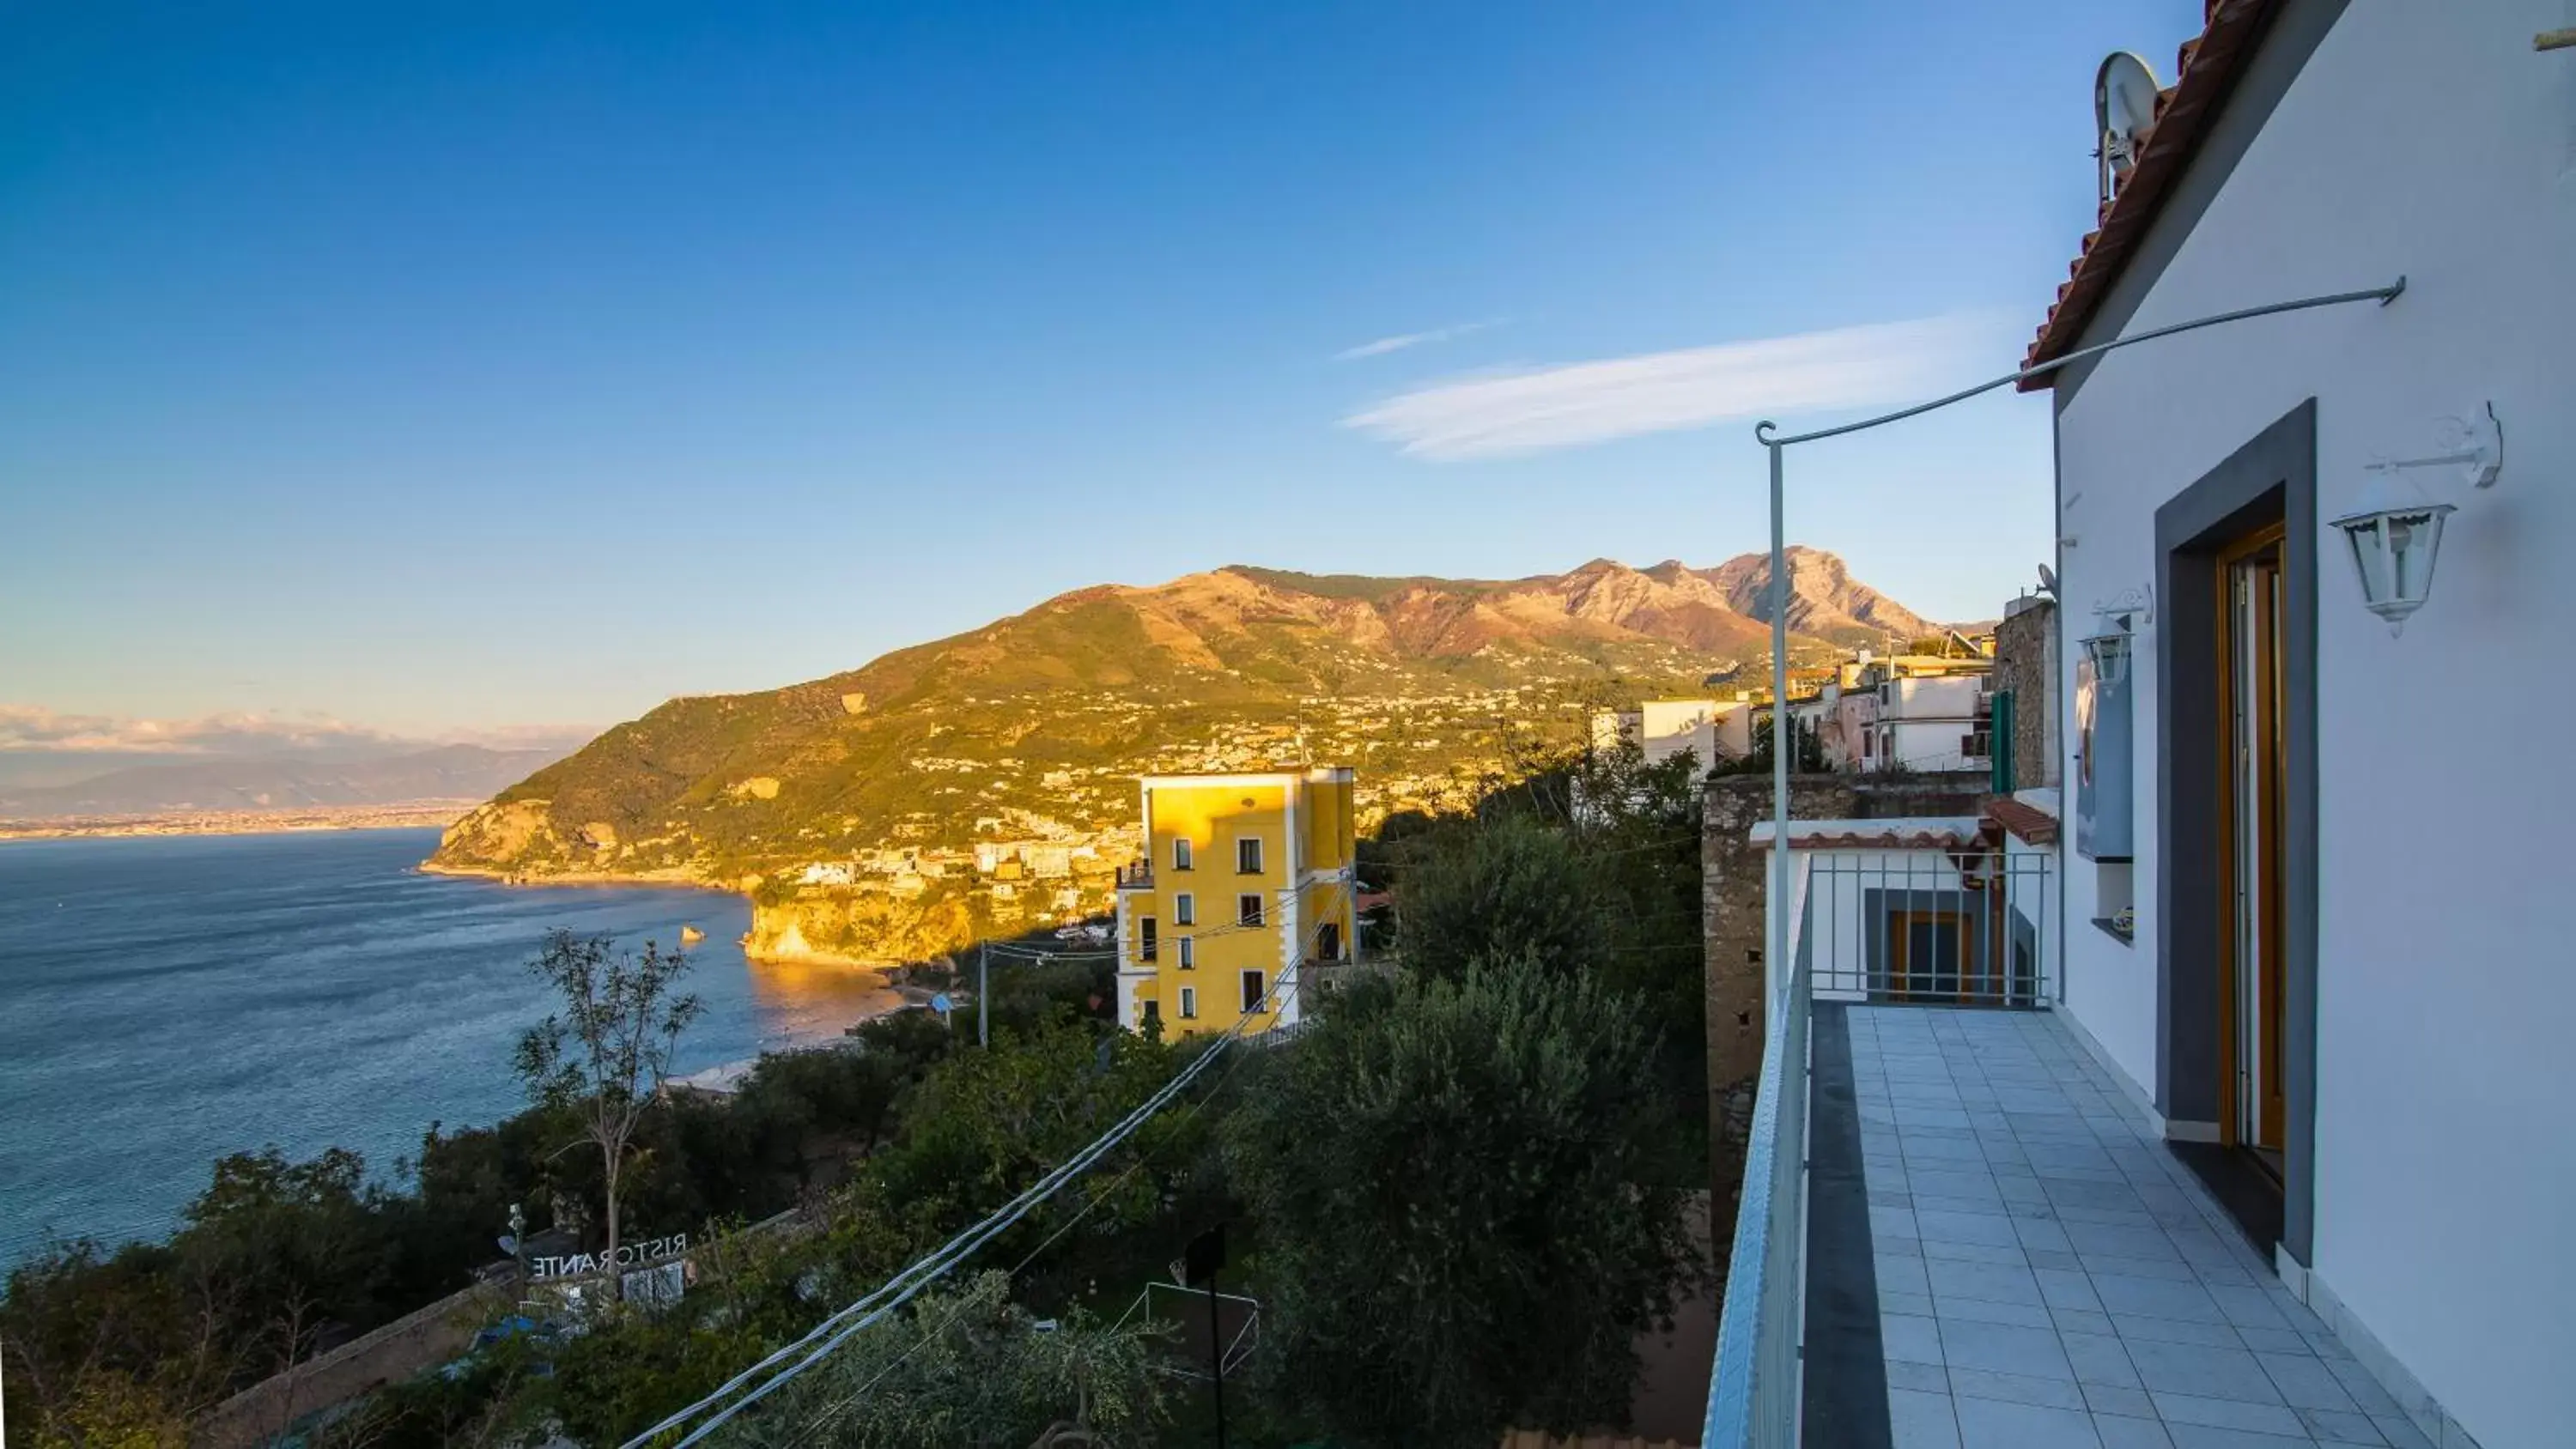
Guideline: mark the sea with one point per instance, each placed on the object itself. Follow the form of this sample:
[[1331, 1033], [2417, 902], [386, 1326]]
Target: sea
[[165, 1000]]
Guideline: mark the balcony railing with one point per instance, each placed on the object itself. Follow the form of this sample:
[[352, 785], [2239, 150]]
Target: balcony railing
[[1933, 927], [1136, 875], [1754, 1386]]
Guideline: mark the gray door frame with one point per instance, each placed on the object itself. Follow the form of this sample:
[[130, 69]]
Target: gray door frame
[[2271, 479]]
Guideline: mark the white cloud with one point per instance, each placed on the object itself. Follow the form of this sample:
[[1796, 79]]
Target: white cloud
[[1401, 341], [1591, 402], [32, 728]]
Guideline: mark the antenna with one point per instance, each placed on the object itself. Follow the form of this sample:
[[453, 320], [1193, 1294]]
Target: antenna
[[2048, 581], [2124, 106]]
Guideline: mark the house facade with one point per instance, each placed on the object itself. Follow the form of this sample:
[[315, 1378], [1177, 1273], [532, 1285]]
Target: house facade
[[1246, 882], [1711, 731], [2305, 916]]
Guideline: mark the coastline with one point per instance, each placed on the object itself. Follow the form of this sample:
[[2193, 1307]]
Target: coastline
[[421, 816], [880, 966], [665, 880]]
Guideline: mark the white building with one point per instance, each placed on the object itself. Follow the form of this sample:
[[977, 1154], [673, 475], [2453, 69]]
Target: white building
[[1928, 723], [2309, 895], [1709, 730]]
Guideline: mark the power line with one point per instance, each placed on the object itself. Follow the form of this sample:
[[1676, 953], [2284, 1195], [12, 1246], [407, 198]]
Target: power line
[[842, 1405], [929, 1269]]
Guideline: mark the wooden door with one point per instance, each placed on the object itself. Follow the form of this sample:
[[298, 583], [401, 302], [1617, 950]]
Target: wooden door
[[2253, 691], [1927, 955]]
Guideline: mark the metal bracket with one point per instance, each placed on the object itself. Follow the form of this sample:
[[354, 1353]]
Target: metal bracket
[[2474, 446]]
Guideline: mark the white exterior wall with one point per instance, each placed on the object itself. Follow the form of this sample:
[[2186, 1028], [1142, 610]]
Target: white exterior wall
[[1838, 886], [2431, 141]]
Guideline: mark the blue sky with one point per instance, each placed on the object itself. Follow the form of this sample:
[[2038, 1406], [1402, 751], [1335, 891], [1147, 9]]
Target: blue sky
[[446, 367]]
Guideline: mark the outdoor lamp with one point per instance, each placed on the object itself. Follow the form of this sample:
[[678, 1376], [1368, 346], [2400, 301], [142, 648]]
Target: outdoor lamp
[[2395, 531], [2109, 653], [2109, 646]]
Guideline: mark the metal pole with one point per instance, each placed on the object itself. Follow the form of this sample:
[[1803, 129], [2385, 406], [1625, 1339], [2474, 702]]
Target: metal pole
[[983, 1012], [1783, 735], [1216, 1361]]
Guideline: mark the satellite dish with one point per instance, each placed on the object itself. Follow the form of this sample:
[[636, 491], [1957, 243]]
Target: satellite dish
[[2048, 581], [2124, 106]]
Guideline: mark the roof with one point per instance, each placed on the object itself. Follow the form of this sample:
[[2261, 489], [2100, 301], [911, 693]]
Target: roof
[[2028, 823], [2206, 71], [1922, 832]]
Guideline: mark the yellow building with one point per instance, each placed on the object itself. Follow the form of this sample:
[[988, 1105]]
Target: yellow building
[[1246, 879]]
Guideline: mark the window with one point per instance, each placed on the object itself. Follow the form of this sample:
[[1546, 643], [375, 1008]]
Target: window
[[1185, 910], [1247, 909], [1181, 853], [1328, 942], [1247, 855], [1189, 954], [1147, 943], [1189, 1002], [1251, 991]]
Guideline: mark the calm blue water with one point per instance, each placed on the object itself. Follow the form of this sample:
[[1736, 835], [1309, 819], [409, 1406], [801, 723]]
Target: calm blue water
[[164, 1001]]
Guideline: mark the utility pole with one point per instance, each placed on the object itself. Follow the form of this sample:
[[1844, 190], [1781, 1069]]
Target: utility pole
[[983, 1011], [1201, 1260]]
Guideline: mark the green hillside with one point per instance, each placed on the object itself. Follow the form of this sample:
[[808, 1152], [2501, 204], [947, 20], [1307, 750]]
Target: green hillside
[[1025, 738]]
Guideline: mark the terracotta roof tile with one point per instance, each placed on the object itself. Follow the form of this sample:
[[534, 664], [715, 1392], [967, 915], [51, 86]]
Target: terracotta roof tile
[[2206, 70]]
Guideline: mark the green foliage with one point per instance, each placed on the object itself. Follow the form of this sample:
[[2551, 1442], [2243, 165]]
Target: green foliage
[[1457, 1195], [988, 1123], [1809, 759], [1508, 884], [968, 1367]]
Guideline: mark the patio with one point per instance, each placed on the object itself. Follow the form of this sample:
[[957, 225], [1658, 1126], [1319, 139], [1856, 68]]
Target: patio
[[1999, 1254]]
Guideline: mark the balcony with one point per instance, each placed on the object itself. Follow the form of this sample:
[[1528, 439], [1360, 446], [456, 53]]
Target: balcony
[[1957, 1230], [1136, 875]]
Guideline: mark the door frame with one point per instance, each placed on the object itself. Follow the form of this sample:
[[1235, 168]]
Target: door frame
[[2272, 479], [2230, 988]]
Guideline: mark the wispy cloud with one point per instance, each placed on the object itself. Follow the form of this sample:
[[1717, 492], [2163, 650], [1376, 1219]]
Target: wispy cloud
[[26, 728], [1401, 341], [1530, 409]]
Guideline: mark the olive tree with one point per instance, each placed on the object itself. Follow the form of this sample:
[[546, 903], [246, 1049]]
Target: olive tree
[[1463, 1205]]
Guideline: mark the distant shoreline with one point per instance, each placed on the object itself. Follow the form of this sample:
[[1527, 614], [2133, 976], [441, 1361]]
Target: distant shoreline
[[673, 881], [404, 815]]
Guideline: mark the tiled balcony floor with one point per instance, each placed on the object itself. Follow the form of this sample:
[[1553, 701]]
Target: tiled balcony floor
[[2048, 1275]]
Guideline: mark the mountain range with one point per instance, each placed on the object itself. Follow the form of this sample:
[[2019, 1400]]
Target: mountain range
[[1036, 726], [387, 775]]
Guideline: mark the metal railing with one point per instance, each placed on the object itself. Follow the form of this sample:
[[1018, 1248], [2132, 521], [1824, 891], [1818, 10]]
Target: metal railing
[[1965, 927], [1754, 1386], [1136, 875]]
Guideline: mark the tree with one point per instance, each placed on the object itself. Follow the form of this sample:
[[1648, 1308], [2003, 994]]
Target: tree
[[608, 1051], [1808, 760], [967, 1366], [1487, 1224], [1504, 884]]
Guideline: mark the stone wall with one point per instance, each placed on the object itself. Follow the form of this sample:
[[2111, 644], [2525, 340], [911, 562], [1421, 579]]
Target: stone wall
[[386, 1355], [1734, 878], [2026, 664]]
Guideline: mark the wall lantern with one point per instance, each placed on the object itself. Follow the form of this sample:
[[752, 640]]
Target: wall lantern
[[2108, 647], [2395, 531]]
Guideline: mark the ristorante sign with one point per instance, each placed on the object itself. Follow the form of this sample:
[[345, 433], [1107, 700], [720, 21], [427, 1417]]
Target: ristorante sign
[[629, 1255]]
